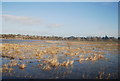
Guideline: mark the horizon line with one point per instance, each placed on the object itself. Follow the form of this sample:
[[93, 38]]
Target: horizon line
[[58, 35]]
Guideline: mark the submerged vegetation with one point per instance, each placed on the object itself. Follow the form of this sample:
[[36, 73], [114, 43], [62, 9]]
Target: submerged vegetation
[[55, 55]]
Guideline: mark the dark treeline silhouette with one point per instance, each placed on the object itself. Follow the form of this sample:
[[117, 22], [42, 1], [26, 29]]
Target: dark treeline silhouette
[[19, 36]]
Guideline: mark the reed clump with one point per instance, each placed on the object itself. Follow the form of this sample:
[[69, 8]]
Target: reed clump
[[22, 66]]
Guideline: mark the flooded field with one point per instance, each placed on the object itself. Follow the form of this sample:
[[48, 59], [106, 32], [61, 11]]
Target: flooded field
[[46, 59]]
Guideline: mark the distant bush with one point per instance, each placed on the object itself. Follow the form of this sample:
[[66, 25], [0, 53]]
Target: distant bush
[[16, 36]]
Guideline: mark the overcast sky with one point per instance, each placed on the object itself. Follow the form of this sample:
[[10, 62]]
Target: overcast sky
[[60, 18]]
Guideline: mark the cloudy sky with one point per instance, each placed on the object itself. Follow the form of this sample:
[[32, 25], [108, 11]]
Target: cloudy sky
[[60, 18]]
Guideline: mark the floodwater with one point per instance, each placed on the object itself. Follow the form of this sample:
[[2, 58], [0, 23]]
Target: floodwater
[[102, 68], [16, 41]]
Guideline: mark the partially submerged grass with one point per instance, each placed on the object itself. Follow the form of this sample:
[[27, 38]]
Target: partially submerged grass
[[84, 51]]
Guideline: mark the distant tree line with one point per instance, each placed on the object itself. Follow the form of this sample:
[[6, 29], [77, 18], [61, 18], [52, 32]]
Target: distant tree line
[[19, 36]]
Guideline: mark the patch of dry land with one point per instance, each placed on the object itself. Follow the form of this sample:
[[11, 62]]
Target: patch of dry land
[[59, 59]]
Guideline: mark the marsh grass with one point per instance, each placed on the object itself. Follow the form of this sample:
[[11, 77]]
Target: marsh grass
[[47, 55]]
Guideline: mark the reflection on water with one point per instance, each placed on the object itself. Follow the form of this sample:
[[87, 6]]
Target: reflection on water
[[16, 41], [42, 67]]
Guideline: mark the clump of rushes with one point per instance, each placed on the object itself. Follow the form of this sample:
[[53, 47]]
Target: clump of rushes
[[4, 69], [38, 61], [66, 63], [101, 56], [46, 67], [101, 75], [81, 59], [10, 69], [4, 65], [108, 76], [52, 61], [22, 66], [13, 63]]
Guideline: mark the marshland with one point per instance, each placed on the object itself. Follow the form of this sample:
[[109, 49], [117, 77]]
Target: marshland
[[52, 59], [59, 40]]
